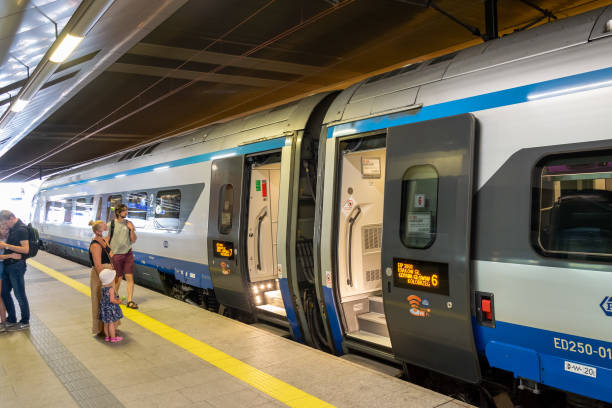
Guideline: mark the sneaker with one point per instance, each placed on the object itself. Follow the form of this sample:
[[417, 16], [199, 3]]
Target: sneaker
[[3, 328], [19, 326]]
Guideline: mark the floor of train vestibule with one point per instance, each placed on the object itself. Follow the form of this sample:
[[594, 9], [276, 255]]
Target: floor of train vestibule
[[173, 355]]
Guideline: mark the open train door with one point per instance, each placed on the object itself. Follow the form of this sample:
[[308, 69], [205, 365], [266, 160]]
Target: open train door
[[224, 252], [426, 245]]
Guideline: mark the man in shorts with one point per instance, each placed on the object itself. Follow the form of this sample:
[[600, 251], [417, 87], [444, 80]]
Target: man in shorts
[[122, 235], [15, 248]]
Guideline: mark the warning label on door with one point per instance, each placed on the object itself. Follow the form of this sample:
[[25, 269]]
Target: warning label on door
[[348, 206]]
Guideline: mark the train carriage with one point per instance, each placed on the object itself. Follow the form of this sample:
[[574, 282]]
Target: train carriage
[[454, 214]]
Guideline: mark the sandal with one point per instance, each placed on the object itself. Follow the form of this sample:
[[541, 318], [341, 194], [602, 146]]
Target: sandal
[[116, 339], [132, 305], [107, 338]]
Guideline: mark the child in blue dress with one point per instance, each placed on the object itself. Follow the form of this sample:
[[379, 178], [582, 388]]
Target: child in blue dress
[[110, 312]]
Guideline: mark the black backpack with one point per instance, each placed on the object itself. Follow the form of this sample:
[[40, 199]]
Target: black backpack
[[33, 241]]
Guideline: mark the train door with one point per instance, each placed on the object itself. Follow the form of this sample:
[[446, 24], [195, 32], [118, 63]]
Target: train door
[[262, 236], [426, 245], [224, 225], [360, 218]]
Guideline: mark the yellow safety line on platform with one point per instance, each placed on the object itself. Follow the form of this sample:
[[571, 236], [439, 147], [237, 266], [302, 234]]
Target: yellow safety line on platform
[[277, 389]]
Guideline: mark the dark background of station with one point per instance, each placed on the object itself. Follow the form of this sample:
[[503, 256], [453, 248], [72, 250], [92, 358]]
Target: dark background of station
[[289, 49]]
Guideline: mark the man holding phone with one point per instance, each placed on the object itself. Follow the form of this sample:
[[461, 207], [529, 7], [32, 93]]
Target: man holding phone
[[121, 237]]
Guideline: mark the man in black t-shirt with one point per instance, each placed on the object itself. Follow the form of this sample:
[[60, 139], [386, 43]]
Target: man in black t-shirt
[[15, 248]]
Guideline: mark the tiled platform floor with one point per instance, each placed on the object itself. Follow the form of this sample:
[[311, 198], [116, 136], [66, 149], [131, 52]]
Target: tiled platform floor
[[148, 371]]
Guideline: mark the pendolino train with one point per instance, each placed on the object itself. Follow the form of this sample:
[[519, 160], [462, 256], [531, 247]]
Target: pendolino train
[[454, 214]]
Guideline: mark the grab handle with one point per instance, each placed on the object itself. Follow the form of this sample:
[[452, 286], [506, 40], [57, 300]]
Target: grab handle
[[260, 218], [351, 220]]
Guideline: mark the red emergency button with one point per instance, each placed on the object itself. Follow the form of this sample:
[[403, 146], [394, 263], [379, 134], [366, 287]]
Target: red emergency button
[[486, 309]]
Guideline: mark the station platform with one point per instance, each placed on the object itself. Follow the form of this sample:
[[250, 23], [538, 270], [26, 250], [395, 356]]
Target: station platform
[[173, 355]]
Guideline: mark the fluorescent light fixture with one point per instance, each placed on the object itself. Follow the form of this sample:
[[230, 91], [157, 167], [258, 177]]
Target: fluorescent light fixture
[[120, 175], [161, 168], [68, 44], [18, 105], [565, 91], [345, 131], [223, 156]]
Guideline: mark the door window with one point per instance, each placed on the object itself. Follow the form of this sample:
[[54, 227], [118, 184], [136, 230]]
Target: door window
[[574, 207], [137, 208], [419, 206], [226, 206]]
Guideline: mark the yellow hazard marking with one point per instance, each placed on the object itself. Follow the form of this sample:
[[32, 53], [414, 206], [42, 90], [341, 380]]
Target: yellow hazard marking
[[277, 389]]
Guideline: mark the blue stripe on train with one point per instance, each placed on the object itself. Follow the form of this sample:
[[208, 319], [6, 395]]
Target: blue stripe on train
[[542, 355], [291, 316], [245, 149], [192, 273], [586, 81]]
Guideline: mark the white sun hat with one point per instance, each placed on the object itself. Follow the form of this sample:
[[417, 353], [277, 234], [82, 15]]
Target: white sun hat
[[107, 276]]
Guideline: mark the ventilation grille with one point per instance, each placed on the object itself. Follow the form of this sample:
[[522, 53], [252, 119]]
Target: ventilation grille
[[373, 275], [372, 237]]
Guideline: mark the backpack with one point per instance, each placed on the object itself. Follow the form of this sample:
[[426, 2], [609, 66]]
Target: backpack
[[33, 241]]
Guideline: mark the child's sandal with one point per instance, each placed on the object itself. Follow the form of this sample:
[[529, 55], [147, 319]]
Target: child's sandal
[[116, 339], [107, 338]]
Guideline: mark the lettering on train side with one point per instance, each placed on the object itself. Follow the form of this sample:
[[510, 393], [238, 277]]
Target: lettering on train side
[[580, 347]]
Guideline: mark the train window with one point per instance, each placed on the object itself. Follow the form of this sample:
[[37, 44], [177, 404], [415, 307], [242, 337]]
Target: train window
[[226, 208], [137, 208], [55, 212], [67, 204], [82, 212], [112, 202], [167, 209], [574, 207], [419, 206]]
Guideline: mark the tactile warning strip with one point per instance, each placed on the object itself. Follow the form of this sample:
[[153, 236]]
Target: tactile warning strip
[[86, 390]]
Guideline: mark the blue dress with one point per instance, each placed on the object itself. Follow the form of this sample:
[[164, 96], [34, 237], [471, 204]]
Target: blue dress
[[109, 312]]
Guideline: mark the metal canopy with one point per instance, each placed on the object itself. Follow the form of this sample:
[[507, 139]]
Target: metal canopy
[[152, 68]]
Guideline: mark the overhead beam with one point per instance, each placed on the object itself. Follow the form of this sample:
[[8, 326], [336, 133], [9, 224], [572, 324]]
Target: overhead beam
[[492, 31], [200, 76], [217, 58]]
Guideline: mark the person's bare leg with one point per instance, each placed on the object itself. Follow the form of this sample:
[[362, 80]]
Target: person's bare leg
[[107, 329], [117, 284], [130, 286], [111, 330]]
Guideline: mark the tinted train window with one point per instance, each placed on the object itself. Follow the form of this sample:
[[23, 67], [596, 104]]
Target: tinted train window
[[137, 208], [226, 207], [419, 206], [82, 212], [167, 209], [574, 207]]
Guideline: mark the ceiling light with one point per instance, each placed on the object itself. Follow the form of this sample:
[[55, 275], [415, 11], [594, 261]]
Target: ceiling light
[[18, 105], [65, 48]]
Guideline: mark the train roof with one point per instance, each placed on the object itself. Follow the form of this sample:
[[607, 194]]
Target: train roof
[[402, 88]]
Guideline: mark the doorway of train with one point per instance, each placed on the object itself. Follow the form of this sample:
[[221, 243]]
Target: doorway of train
[[359, 220], [243, 236], [263, 178]]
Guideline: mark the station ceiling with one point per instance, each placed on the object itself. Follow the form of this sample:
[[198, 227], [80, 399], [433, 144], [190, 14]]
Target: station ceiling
[[149, 69]]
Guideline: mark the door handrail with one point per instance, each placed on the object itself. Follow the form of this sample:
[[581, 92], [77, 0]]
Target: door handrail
[[351, 220], [260, 218]]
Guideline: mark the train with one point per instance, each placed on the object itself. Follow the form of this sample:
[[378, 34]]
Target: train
[[454, 215]]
